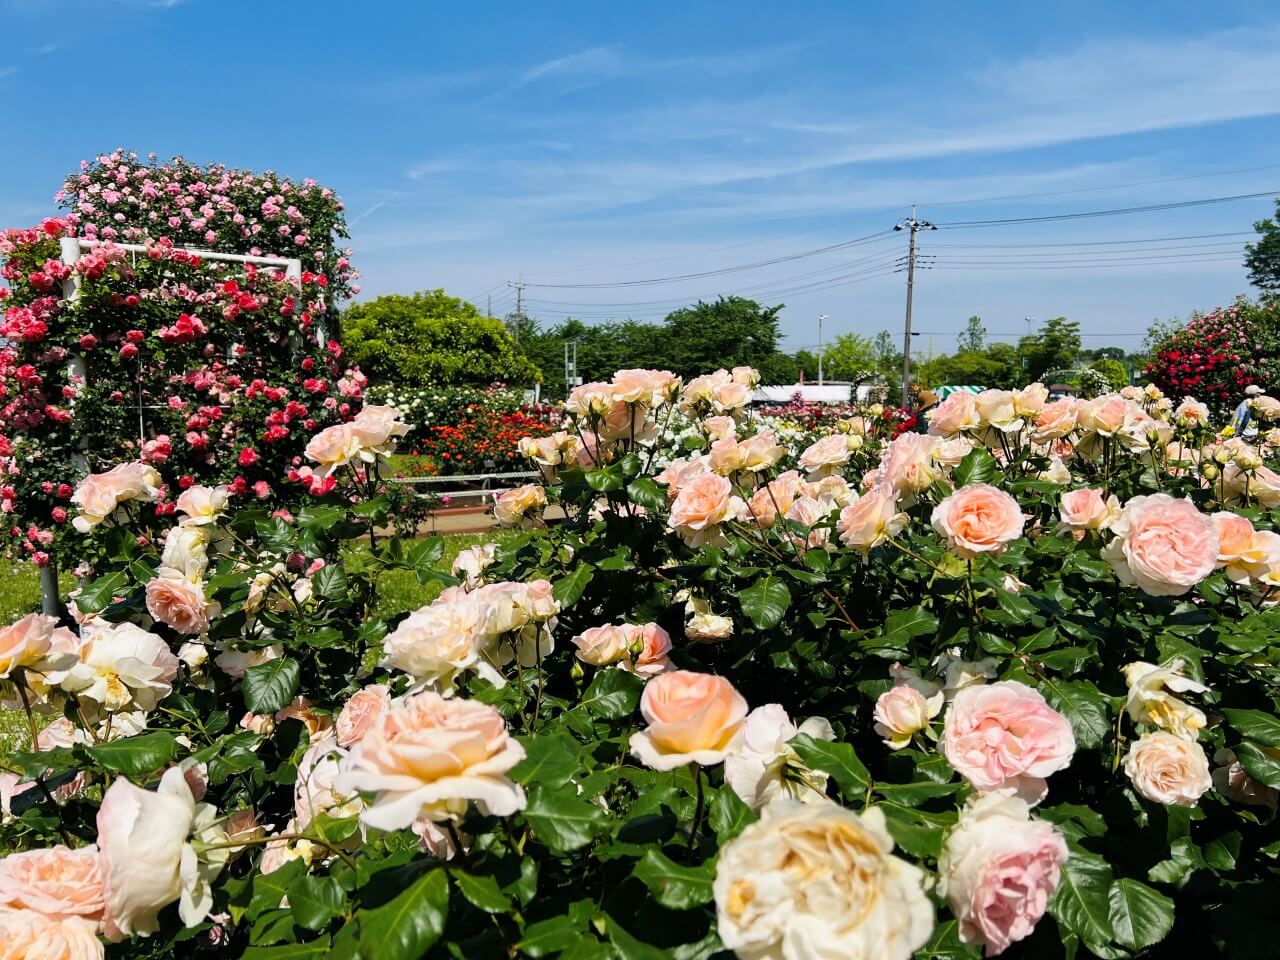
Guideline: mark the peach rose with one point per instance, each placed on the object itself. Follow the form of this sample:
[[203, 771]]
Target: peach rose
[[243, 827], [427, 757], [731, 396], [1030, 400], [180, 603], [824, 457], [978, 519], [302, 710], [1192, 413], [955, 415], [679, 473], [996, 409], [333, 447], [907, 465], [235, 662], [717, 428], [56, 881], [1231, 780], [761, 451], [376, 429], [28, 935], [650, 647], [1003, 737], [601, 646], [436, 643], [201, 505], [1164, 546], [747, 376], [1056, 420], [692, 718], [998, 869], [361, 709], [1105, 415], [589, 400], [1168, 769], [634, 386], [1086, 509], [775, 496], [100, 494], [513, 506], [30, 641], [871, 520], [701, 505]]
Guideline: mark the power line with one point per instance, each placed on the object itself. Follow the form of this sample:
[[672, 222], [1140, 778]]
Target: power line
[[1119, 211], [1093, 243]]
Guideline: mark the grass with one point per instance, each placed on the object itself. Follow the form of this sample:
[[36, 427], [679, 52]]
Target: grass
[[398, 592]]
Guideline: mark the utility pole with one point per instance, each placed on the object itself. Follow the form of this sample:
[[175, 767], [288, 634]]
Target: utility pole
[[571, 363], [517, 318], [822, 317], [912, 225]]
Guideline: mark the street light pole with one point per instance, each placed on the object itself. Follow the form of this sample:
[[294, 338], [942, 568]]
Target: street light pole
[[821, 319], [913, 225]]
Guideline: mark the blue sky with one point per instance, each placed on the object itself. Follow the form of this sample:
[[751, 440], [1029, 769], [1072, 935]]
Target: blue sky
[[576, 143]]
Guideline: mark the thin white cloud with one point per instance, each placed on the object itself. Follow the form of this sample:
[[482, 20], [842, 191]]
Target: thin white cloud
[[7, 71], [594, 61]]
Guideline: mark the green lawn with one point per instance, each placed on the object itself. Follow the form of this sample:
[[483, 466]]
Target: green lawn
[[398, 591]]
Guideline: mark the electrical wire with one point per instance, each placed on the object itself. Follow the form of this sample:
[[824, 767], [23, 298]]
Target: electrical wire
[[1120, 211]]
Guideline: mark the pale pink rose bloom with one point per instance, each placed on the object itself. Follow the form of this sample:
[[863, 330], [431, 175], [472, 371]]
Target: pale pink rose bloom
[[100, 494], [1030, 400], [314, 790], [678, 474], [333, 447], [29, 935], [625, 421], [142, 835], [996, 408], [513, 506], [56, 881], [717, 428], [201, 504], [998, 869], [634, 386], [692, 718], [825, 456], [808, 512], [1105, 415], [955, 415], [901, 712], [1262, 483], [428, 756], [871, 520], [589, 399], [259, 723], [603, 645], [1245, 553], [1231, 780], [235, 662], [1163, 545], [242, 827], [834, 491], [376, 428], [1192, 413], [777, 495], [1003, 737], [302, 709], [907, 464], [978, 519], [727, 456], [27, 642], [1056, 420], [1168, 769], [197, 776], [761, 451], [360, 710], [731, 396], [704, 502], [655, 647], [1086, 509], [747, 376], [180, 603], [435, 841]]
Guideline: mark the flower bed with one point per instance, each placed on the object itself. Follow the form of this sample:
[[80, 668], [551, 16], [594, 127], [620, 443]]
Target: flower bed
[[1008, 686]]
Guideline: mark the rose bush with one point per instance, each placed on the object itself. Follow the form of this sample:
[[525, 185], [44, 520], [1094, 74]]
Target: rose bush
[[876, 697]]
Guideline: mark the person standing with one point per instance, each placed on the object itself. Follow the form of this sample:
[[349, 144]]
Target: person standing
[[1244, 412]]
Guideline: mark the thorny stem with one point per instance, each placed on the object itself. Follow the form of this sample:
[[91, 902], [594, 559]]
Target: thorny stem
[[35, 748]]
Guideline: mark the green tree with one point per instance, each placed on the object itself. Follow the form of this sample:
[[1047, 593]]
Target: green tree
[[850, 356], [432, 338], [1115, 372], [1263, 258], [1055, 347], [729, 332], [974, 338]]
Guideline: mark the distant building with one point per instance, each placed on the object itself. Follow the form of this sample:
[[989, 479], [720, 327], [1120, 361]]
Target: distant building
[[809, 393]]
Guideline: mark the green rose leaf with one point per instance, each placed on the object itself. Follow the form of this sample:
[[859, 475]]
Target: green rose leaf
[[1259, 764], [547, 937], [837, 759], [1255, 725], [270, 686], [613, 694], [647, 493], [765, 601], [1082, 902], [978, 466], [673, 885], [562, 820], [1140, 916], [482, 892], [134, 756], [1084, 707], [568, 589], [315, 901], [407, 926]]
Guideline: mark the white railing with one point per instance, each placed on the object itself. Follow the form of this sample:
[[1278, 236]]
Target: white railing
[[482, 478]]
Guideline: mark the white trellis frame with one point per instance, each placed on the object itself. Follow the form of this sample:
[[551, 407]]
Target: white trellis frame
[[71, 250]]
